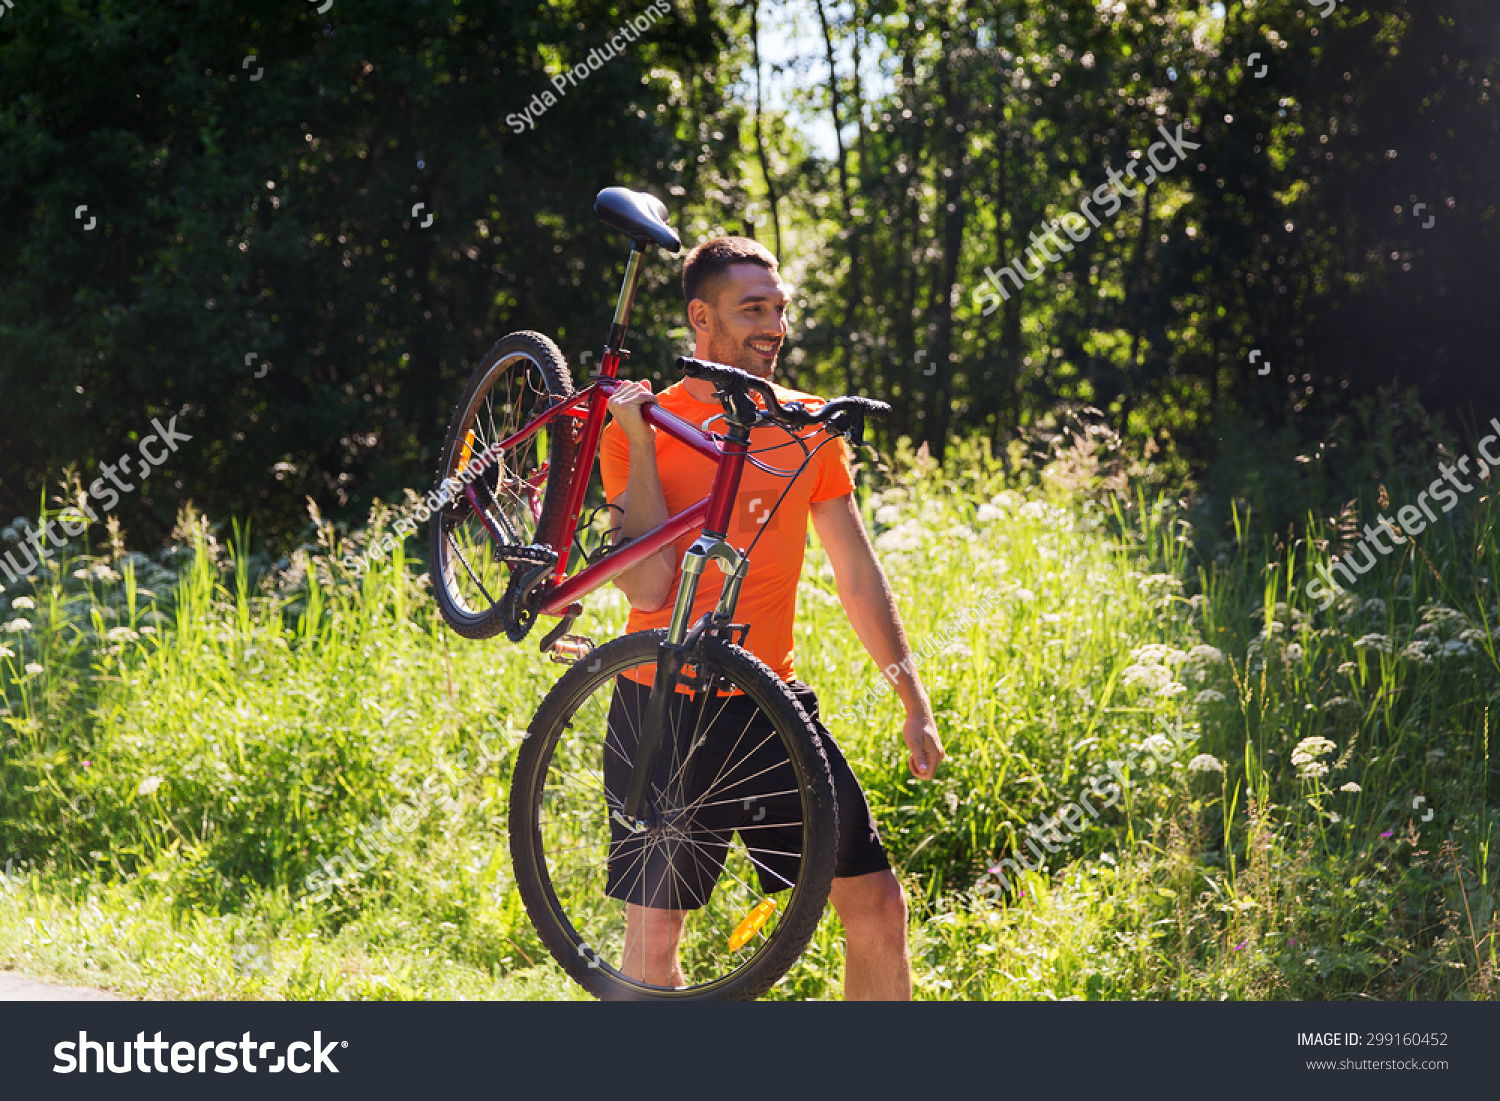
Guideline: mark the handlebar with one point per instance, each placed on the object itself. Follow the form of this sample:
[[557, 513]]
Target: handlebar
[[844, 416]]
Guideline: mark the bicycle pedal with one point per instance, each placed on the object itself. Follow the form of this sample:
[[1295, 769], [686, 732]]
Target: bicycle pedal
[[571, 649], [531, 555]]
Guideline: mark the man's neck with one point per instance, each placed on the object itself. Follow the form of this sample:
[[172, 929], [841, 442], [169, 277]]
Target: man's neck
[[699, 390]]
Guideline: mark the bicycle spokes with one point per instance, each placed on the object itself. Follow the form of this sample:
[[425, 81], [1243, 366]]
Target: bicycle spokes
[[719, 836]]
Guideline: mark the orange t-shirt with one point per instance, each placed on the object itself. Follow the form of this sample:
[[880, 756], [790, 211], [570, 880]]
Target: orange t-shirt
[[768, 598]]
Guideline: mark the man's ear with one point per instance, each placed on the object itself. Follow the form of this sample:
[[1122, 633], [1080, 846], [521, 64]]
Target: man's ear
[[698, 315]]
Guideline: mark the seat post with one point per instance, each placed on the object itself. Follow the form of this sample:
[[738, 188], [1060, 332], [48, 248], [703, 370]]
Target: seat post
[[626, 300]]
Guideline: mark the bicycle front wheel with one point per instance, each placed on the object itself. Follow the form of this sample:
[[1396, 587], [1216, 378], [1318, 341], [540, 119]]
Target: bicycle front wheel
[[521, 492], [721, 891]]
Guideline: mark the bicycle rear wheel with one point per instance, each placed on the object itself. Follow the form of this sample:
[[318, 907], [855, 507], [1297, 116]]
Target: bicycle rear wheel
[[738, 860], [521, 493]]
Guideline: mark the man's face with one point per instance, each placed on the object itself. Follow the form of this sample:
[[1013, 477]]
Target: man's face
[[746, 322]]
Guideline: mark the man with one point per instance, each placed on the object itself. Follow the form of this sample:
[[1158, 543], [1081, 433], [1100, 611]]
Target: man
[[737, 306]]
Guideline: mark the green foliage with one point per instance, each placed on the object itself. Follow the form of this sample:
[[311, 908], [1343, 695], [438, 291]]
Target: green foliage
[[176, 801], [273, 217]]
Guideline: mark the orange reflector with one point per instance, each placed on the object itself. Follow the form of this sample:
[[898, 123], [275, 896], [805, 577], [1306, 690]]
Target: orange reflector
[[468, 450], [752, 923]]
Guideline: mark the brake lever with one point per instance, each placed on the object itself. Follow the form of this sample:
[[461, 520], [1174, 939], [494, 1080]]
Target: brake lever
[[849, 425], [857, 431]]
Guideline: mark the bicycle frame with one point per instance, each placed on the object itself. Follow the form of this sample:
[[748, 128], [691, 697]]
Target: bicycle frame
[[712, 513]]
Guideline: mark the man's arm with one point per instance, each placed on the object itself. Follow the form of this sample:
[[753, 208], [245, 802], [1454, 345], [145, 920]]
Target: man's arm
[[866, 596], [643, 505]]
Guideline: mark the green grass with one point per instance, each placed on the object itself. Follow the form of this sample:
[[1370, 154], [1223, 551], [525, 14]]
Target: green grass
[[205, 726]]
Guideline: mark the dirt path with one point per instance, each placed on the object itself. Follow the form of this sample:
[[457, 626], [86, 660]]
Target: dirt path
[[14, 988]]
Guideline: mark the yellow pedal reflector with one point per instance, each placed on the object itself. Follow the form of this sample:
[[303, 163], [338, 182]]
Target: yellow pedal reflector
[[468, 450], [752, 923]]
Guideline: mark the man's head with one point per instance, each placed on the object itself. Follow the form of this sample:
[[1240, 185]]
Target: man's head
[[736, 303]]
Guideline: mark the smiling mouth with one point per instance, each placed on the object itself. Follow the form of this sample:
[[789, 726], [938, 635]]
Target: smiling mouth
[[764, 348]]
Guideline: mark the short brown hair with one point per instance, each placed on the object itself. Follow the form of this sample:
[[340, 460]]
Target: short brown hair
[[706, 264]]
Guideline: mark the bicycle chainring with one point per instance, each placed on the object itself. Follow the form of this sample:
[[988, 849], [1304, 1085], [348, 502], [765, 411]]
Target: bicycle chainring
[[530, 567]]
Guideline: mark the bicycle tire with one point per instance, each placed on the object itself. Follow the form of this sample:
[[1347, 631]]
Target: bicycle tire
[[549, 805], [469, 575]]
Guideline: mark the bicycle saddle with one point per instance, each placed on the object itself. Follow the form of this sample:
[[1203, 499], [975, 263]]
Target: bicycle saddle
[[639, 216]]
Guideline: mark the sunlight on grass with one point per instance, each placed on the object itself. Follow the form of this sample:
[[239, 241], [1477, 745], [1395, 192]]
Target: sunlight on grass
[[227, 778]]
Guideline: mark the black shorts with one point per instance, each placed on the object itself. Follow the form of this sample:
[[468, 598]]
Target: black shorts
[[754, 789]]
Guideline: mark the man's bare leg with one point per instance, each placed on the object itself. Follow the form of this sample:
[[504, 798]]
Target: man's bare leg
[[651, 940], [877, 962]]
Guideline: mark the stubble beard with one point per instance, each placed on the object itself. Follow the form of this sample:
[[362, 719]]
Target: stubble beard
[[723, 349]]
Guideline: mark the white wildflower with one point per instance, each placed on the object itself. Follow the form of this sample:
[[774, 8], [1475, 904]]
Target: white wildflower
[[1294, 652], [1167, 691], [33, 669], [1374, 606], [988, 513], [1305, 756], [1472, 635], [121, 634], [1033, 510], [1347, 668], [17, 625], [1005, 499], [1208, 698], [1157, 654], [1203, 654], [1435, 755], [1351, 786], [1149, 677], [23, 603], [1160, 746], [148, 785], [1375, 642], [888, 515], [1310, 748], [906, 536], [1417, 652], [1456, 648], [7, 652], [1205, 762]]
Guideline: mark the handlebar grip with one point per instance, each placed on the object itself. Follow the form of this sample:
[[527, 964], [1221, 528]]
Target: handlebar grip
[[864, 407], [730, 379], [721, 373]]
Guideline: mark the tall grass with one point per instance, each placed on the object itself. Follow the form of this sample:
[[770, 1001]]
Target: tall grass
[[192, 741]]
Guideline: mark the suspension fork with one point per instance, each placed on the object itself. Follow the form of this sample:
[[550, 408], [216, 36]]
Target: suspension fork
[[680, 645], [677, 651]]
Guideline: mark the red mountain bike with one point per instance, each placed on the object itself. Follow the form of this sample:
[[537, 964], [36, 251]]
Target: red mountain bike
[[672, 816]]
